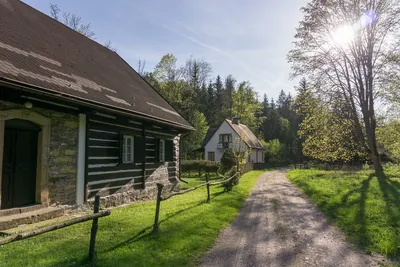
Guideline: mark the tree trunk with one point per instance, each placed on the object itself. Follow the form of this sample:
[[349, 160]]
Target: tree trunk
[[370, 127]]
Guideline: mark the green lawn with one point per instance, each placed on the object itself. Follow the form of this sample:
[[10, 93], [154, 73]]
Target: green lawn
[[188, 228], [365, 207]]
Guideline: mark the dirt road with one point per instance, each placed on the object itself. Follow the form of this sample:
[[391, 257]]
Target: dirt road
[[278, 226]]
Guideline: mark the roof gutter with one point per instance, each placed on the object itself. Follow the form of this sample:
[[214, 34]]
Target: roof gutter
[[81, 101]]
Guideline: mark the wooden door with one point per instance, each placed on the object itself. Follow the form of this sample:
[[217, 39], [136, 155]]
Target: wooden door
[[19, 167]]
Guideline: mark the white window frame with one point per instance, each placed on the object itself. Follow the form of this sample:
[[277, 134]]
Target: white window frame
[[127, 157], [161, 152]]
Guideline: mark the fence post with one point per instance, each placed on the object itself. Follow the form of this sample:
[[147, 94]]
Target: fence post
[[93, 232], [208, 187], [159, 190]]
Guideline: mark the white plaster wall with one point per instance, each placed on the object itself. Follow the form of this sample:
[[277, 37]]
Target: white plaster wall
[[211, 146], [261, 156], [254, 158]]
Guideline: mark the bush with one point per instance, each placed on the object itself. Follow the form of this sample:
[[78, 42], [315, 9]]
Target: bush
[[227, 161], [200, 166]]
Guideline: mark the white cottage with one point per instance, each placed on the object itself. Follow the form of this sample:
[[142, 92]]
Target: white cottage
[[232, 135]]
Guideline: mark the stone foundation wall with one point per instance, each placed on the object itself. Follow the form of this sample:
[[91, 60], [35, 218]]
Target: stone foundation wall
[[62, 163]]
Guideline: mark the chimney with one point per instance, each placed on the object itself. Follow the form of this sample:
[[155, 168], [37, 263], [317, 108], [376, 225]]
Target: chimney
[[236, 120]]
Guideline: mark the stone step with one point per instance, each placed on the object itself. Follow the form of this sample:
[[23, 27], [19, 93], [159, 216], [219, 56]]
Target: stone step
[[14, 211], [12, 221]]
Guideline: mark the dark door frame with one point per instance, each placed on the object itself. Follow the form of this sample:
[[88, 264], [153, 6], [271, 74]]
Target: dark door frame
[[21, 160], [42, 192]]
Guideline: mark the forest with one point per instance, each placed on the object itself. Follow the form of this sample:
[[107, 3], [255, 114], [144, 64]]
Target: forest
[[308, 126], [206, 101]]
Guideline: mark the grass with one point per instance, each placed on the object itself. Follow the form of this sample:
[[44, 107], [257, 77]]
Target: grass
[[188, 228], [194, 180], [364, 205]]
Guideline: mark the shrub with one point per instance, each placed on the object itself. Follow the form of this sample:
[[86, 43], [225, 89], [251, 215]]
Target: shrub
[[227, 161], [200, 166]]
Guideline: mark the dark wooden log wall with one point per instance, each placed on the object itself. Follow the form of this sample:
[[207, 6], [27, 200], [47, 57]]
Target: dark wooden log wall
[[105, 172]]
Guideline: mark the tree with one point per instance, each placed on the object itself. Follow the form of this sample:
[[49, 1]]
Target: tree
[[388, 137], [211, 106], [246, 105], [328, 134], [346, 46], [141, 66], [108, 45], [219, 87], [194, 139], [75, 22], [273, 151], [265, 106], [227, 101], [168, 75], [72, 20]]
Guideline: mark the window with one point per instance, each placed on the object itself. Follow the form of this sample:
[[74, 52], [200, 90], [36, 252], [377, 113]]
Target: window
[[127, 149], [162, 150], [225, 138], [211, 156]]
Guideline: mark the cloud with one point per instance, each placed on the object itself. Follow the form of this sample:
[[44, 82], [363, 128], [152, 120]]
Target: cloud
[[182, 33]]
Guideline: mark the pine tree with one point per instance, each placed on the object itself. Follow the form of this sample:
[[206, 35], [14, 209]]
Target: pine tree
[[219, 97]]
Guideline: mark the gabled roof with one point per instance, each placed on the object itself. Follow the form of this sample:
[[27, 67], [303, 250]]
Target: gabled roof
[[246, 134], [242, 130], [209, 134], [38, 51]]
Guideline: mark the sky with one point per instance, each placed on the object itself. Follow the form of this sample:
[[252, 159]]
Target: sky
[[249, 41]]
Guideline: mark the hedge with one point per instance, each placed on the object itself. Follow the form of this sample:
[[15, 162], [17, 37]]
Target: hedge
[[200, 166]]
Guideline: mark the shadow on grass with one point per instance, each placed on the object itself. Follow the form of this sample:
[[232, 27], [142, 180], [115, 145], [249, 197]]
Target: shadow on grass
[[142, 233], [368, 228]]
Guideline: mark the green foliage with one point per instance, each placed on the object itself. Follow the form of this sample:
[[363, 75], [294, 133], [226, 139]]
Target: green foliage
[[328, 137], [326, 134], [194, 139], [273, 151], [189, 228], [361, 204], [200, 166], [189, 91], [227, 161], [281, 122], [246, 105], [356, 70], [388, 136]]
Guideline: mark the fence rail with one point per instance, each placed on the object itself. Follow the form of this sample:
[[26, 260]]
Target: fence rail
[[228, 182], [94, 217]]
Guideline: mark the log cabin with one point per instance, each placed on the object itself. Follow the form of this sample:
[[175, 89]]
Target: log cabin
[[76, 120]]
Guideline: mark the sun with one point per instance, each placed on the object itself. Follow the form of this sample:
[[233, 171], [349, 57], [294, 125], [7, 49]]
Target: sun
[[343, 35]]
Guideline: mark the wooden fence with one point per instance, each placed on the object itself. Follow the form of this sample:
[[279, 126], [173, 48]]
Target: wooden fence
[[228, 183], [94, 217], [246, 167]]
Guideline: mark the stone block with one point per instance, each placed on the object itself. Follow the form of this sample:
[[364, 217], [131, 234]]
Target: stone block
[[70, 152], [64, 159], [68, 169], [71, 124], [55, 152]]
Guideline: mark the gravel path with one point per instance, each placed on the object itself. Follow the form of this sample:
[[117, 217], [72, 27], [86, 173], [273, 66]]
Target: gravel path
[[278, 226]]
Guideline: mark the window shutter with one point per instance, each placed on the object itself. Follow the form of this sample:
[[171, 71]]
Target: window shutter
[[121, 148], [169, 150], [139, 148], [157, 150]]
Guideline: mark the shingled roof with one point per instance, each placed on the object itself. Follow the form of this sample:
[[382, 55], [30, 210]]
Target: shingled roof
[[242, 130], [209, 134], [246, 134], [38, 51]]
